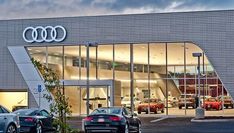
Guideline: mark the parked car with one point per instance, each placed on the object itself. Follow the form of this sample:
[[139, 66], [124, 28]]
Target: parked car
[[228, 102], [9, 123], [35, 120], [112, 119], [126, 102], [172, 102], [187, 99], [212, 103], [155, 106]]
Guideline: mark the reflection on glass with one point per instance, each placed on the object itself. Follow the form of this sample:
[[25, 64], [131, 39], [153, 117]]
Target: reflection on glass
[[71, 62], [38, 53], [105, 61], [55, 59]]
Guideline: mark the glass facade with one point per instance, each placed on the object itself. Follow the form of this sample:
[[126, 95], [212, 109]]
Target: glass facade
[[164, 71]]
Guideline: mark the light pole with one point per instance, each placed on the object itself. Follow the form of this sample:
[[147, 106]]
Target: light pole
[[87, 73], [199, 111]]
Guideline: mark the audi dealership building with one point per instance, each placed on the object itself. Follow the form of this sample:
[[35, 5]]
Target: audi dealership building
[[146, 55]]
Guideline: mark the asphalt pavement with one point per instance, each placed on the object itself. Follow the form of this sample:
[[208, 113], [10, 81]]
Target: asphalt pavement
[[175, 125]]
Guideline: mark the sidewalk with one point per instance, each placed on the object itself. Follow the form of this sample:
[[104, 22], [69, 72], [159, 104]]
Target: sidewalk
[[214, 119]]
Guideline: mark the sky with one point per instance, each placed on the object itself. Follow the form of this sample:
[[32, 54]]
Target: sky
[[18, 9]]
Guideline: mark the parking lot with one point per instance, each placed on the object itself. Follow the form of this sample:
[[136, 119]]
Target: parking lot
[[174, 125], [184, 125], [191, 112]]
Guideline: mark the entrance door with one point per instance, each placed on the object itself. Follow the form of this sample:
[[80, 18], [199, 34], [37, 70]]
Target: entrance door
[[99, 96]]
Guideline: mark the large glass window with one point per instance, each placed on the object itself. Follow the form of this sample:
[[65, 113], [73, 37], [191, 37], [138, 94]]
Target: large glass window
[[14, 100], [71, 62], [38, 53], [55, 60], [140, 60], [105, 62], [122, 67], [165, 71]]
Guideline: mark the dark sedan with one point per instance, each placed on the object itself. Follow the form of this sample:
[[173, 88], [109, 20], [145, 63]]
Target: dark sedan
[[35, 120], [112, 119]]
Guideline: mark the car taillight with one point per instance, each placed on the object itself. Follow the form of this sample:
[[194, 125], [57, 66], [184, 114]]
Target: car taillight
[[115, 118], [89, 118], [17, 121], [28, 119]]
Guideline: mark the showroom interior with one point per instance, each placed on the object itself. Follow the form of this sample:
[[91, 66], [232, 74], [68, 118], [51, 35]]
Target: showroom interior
[[161, 70]]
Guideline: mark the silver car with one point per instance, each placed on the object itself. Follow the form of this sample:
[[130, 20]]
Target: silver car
[[9, 123]]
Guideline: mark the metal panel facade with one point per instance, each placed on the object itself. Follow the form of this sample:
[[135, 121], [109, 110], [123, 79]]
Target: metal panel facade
[[213, 31]]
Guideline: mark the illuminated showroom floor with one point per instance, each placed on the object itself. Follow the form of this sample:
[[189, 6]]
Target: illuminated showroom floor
[[191, 112]]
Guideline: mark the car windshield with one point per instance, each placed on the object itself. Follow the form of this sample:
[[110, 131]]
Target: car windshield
[[211, 99], [151, 100], [23, 112], [107, 111], [126, 99], [227, 97], [4, 110]]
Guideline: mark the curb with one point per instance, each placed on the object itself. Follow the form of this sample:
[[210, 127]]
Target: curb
[[211, 120]]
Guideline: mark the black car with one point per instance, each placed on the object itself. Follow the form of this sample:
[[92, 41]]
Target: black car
[[35, 120], [112, 119]]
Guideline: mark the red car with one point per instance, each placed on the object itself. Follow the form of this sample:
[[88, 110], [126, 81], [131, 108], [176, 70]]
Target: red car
[[155, 106], [212, 103]]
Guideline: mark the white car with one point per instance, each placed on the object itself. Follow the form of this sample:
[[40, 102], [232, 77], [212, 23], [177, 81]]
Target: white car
[[126, 102], [9, 123], [172, 102]]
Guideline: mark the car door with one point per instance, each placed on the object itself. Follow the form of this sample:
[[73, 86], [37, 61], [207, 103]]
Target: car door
[[129, 118], [47, 119], [2, 120]]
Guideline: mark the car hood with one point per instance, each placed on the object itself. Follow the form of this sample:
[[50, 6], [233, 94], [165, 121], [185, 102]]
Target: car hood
[[212, 102], [37, 117], [7, 114]]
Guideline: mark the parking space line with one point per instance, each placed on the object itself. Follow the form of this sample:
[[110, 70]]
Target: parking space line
[[160, 119]]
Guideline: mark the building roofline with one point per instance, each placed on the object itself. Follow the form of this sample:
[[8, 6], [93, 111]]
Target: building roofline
[[113, 15]]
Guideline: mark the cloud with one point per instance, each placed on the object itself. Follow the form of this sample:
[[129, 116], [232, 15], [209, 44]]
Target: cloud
[[58, 8]]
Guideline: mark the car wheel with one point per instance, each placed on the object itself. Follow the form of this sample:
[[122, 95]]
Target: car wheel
[[180, 107], [226, 107], [139, 128], [162, 111], [38, 128], [139, 112], [11, 129], [147, 112], [126, 128], [156, 111], [232, 106]]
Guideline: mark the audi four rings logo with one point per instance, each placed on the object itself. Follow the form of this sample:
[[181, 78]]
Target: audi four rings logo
[[44, 34]]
